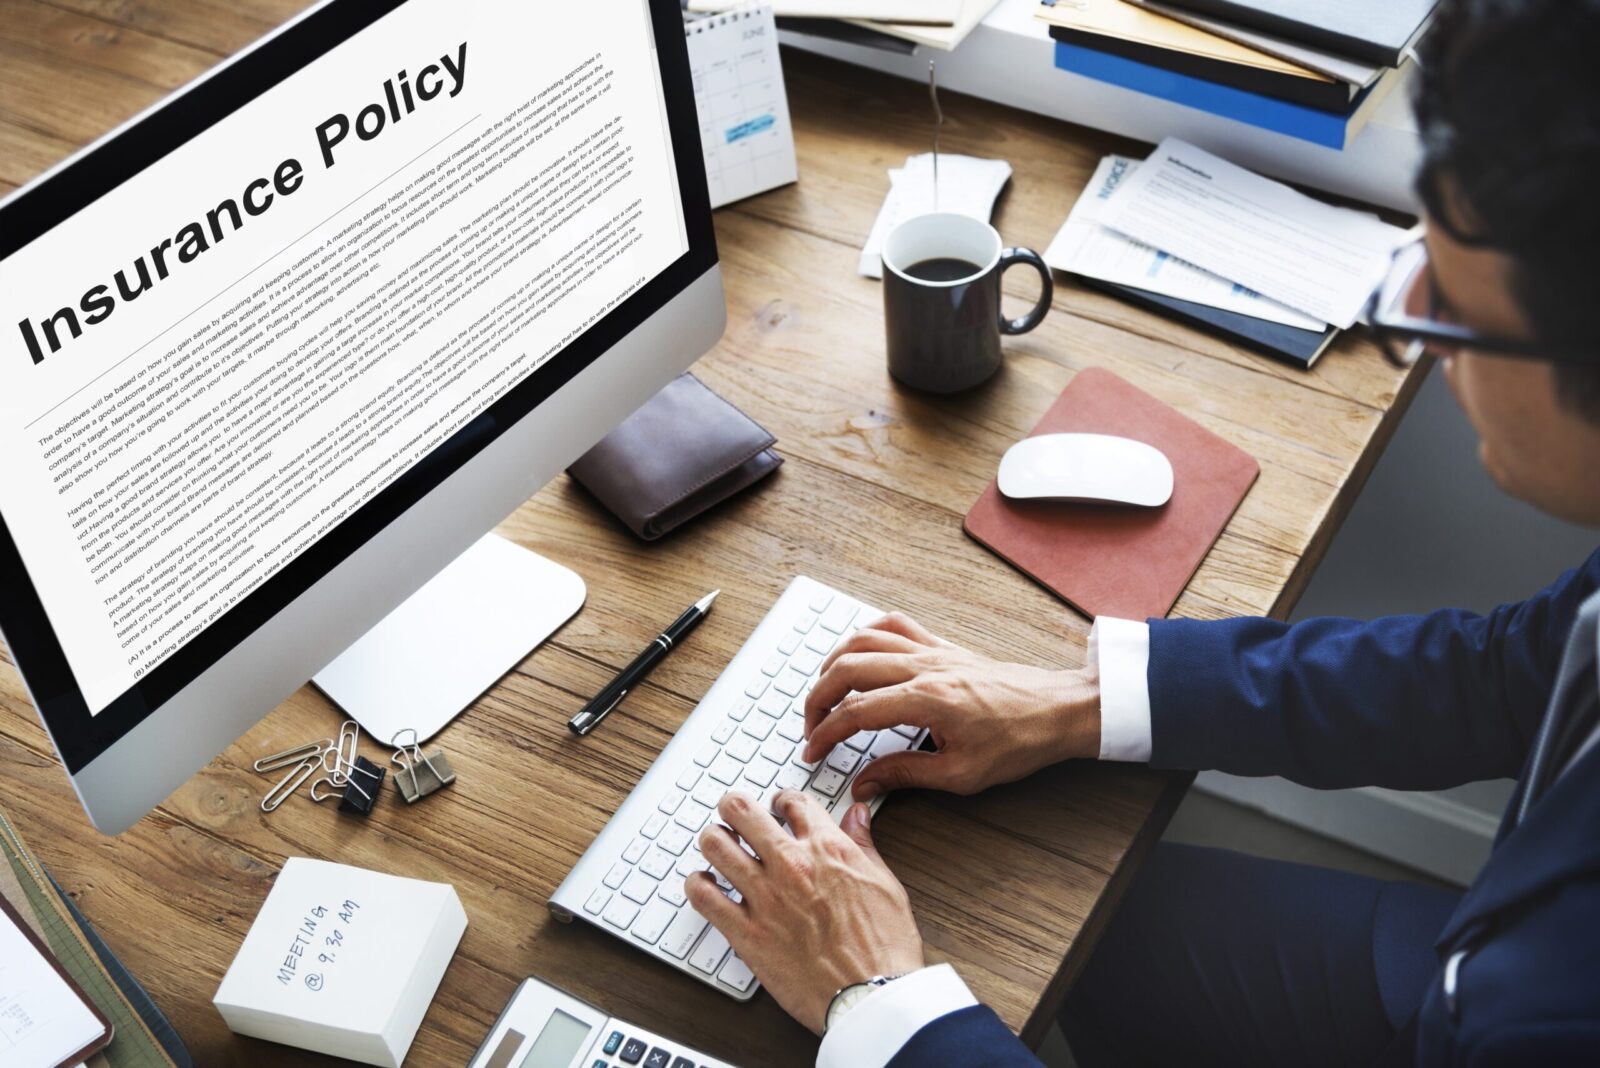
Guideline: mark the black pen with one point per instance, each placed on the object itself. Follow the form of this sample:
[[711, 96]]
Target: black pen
[[600, 706]]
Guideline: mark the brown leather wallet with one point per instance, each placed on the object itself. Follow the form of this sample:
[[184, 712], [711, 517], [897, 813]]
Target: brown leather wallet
[[686, 450]]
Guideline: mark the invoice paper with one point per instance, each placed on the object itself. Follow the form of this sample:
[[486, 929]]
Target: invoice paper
[[1084, 246], [1316, 258], [966, 185], [42, 1020]]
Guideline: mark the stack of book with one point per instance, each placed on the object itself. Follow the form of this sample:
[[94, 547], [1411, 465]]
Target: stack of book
[[1311, 69]]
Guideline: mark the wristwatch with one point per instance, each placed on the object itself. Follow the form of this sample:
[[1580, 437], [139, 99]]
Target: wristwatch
[[848, 997]]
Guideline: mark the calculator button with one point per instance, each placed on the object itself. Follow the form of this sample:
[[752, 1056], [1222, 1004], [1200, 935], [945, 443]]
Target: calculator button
[[659, 1058], [599, 1064], [613, 1043], [683, 1062], [632, 1052]]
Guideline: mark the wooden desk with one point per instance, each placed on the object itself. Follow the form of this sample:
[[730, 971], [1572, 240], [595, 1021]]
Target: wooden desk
[[1012, 886]]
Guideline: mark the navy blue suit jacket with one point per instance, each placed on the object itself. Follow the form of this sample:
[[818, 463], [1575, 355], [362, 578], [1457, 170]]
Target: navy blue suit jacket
[[1411, 703]]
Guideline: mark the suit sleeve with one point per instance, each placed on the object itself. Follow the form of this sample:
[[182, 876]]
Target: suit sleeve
[[973, 1037], [1408, 702]]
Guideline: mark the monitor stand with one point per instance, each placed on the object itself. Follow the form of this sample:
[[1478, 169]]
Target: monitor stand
[[447, 643]]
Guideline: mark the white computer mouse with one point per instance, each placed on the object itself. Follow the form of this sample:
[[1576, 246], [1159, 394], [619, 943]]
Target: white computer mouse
[[1086, 467]]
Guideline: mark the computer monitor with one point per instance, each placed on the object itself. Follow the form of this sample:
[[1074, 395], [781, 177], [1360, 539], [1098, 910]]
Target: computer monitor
[[279, 349]]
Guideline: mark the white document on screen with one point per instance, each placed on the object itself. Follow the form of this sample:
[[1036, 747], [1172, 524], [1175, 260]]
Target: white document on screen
[[213, 365], [1316, 258], [1084, 246]]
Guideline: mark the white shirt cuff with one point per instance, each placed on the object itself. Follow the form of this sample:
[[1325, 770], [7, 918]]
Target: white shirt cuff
[[1122, 649], [872, 1033]]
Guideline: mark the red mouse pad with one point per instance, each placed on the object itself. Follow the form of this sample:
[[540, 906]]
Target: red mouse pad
[[1113, 559]]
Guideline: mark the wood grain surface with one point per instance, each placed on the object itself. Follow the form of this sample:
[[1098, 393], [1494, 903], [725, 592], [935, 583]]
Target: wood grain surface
[[1011, 886]]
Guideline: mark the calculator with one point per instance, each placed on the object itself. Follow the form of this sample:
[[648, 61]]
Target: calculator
[[542, 1027]]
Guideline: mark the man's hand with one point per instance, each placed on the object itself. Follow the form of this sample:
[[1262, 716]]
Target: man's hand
[[992, 722], [820, 910]]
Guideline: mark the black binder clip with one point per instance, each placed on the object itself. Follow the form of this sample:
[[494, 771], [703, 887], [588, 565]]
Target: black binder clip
[[361, 792], [420, 773]]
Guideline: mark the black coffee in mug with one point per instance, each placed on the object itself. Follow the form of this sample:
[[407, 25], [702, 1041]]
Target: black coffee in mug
[[941, 300], [942, 269]]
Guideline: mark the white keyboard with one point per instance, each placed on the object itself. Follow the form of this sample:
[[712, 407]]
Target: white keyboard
[[744, 735]]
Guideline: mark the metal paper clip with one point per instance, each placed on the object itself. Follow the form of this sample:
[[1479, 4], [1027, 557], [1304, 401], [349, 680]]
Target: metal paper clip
[[412, 786], [288, 785], [339, 773], [300, 753]]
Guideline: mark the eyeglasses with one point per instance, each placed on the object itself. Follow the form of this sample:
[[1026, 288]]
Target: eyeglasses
[[1404, 314]]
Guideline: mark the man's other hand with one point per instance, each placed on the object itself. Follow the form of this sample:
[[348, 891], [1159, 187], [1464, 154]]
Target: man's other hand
[[992, 722], [818, 911]]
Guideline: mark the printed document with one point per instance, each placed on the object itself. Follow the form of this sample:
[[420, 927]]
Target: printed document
[[1083, 246], [1316, 258], [42, 1019], [209, 368]]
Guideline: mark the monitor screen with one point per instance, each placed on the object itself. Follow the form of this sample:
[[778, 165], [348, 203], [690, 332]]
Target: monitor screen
[[241, 335]]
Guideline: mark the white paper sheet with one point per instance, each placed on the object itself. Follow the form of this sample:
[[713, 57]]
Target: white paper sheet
[[42, 1021], [1315, 258], [1083, 246], [931, 12], [967, 186]]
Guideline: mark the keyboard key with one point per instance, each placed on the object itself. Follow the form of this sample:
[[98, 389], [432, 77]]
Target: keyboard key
[[673, 891], [792, 778], [790, 643], [709, 792], [843, 760], [682, 932], [707, 956], [820, 601], [688, 778], [669, 804], [807, 662], [693, 816], [774, 704], [790, 682], [632, 1051], [888, 742], [821, 642], [639, 888], [758, 727], [838, 618], [613, 1043], [621, 913], [757, 687], [805, 623], [709, 751], [744, 746], [619, 871], [658, 1058], [761, 771], [773, 665], [653, 825], [828, 781], [597, 901], [635, 850], [861, 741], [691, 862], [675, 840], [723, 732], [737, 974], [741, 710], [652, 921], [792, 727], [726, 770], [658, 861], [777, 750], [801, 762]]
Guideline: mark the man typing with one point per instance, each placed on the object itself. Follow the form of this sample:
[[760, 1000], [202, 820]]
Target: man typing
[[1215, 957]]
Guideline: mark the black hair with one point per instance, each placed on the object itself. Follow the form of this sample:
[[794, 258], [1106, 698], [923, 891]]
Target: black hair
[[1508, 104]]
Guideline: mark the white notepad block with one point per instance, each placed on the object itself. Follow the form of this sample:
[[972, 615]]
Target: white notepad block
[[343, 961]]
